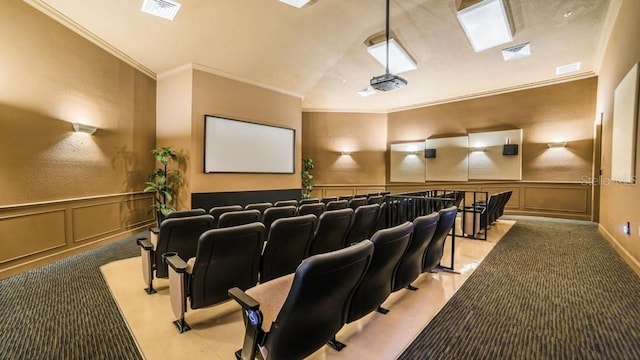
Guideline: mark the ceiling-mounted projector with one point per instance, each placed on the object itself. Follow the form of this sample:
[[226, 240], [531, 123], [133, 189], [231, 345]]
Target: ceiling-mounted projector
[[387, 82]]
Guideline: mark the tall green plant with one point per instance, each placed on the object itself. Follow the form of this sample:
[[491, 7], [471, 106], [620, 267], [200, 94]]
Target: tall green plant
[[307, 178], [164, 182]]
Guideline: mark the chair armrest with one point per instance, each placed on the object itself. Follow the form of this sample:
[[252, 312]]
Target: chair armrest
[[246, 301], [253, 324], [177, 288], [145, 244], [147, 253], [176, 263]]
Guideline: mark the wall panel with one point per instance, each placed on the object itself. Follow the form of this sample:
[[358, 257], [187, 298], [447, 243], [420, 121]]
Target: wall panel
[[514, 200], [556, 199], [136, 211], [451, 162], [490, 163], [38, 233], [94, 220], [321, 191], [561, 112], [31, 233], [553, 199], [407, 162]]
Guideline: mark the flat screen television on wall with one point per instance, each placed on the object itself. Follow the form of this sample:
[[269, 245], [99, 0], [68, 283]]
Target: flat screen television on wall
[[236, 146]]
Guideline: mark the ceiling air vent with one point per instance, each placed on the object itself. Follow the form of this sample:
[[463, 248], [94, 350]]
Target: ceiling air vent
[[165, 9], [565, 69], [516, 52]]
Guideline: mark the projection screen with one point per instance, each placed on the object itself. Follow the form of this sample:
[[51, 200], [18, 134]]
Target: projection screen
[[234, 146]]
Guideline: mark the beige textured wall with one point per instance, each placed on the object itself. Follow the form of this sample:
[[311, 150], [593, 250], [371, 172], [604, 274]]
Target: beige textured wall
[[558, 112], [216, 95], [49, 78], [618, 202], [326, 134], [173, 123]]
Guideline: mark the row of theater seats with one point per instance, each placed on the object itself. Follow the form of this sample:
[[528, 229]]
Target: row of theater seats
[[292, 316], [189, 242], [330, 230], [231, 215], [485, 213]]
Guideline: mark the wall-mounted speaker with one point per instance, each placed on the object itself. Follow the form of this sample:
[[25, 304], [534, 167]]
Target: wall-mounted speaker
[[429, 153], [509, 149]]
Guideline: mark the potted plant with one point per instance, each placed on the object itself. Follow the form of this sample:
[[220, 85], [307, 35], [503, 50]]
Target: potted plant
[[307, 178], [164, 182]]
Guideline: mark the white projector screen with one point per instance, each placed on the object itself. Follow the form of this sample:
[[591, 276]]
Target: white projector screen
[[233, 146]]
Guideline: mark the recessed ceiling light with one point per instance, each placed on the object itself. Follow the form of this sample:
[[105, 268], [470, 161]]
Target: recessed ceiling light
[[567, 14], [516, 52], [296, 3], [165, 9], [486, 24], [399, 59], [564, 69], [368, 91]]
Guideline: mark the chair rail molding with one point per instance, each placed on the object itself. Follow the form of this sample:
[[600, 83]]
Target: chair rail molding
[[562, 199], [39, 233]]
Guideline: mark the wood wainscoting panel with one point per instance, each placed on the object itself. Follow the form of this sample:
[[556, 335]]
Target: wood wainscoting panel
[[322, 191], [569, 200], [514, 201], [368, 190], [95, 220], [338, 192], [31, 233], [562, 199], [35, 234], [535, 198], [399, 189], [136, 211]]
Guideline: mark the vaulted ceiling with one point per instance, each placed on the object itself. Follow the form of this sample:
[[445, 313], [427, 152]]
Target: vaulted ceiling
[[318, 52]]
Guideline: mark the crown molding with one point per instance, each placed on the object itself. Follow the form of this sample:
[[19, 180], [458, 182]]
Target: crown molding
[[559, 80], [356, 111], [607, 29], [227, 75], [175, 70]]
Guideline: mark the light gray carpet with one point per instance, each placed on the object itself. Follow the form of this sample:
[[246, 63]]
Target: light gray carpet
[[550, 289]]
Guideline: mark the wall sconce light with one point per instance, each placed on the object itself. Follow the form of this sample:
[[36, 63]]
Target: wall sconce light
[[477, 149], [345, 153], [296, 3], [87, 129], [412, 153], [557, 144]]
